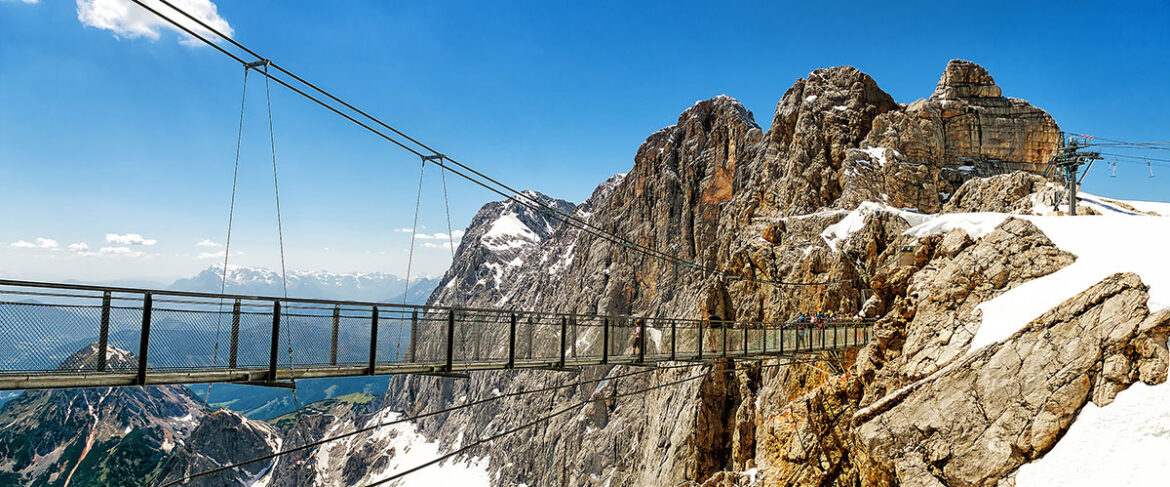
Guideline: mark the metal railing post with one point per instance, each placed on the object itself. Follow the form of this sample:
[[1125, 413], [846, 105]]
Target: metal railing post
[[373, 339], [700, 342], [605, 340], [104, 333], [642, 339], [144, 339], [564, 333], [823, 337], [272, 349], [781, 352], [414, 335], [333, 338], [673, 333], [723, 325], [531, 331], [745, 338], [450, 340], [764, 327], [234, 348], [573, 323], [512, 341]]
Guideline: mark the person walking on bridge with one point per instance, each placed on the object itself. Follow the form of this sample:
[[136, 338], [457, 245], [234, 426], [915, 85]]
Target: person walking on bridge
[[636, 336]]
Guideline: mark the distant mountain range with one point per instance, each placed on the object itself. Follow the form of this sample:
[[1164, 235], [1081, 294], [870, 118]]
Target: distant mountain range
[[358, 286]]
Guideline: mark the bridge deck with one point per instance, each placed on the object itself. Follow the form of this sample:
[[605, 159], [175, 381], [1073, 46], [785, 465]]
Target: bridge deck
[[68, 335]]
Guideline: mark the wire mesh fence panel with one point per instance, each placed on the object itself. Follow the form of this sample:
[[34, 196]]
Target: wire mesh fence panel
[[755, 338], [623, 338], [393, 337], [40, 337], [311, 337], [181, 339], [255, 339], [590, 337], [353, 342], [547, 338]]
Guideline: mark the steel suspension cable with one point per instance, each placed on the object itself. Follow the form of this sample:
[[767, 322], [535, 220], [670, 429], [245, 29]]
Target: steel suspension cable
[[477, 402], [447, 207], [414, 230], [507, 192], [283, 268], [227, 247], [416, 418], [560, 412]]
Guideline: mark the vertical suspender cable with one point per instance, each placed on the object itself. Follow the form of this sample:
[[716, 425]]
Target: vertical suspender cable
[[447, 206], [280, 241], [227, 247], [414, 230]]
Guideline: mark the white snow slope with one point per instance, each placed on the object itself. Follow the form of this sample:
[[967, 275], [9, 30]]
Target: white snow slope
[[1125, 443]]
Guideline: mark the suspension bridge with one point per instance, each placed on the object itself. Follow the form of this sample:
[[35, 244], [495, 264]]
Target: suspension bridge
[[172, 337]]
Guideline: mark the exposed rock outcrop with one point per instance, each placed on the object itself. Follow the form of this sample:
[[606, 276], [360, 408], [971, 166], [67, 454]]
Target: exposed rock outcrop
[[96, 436], [919, 155], [1016, 192], [973, 423], [225, 437]]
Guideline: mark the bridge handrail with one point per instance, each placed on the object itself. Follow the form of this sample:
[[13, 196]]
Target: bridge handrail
[[342, 338], [227, 297]]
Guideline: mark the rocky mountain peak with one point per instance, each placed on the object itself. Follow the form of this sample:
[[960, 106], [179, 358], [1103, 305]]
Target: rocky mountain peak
[[965, 79], [499, 233], [87, 358]]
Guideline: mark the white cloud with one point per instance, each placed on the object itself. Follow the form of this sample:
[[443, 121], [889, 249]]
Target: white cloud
[[215, 255], [79, 247], [38, 243], [431, 245], [131, 21], [129, 239], [121, 251], [206, 243], [457, 234]]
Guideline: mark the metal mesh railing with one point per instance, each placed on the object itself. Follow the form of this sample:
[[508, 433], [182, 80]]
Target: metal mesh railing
[[62, 329]]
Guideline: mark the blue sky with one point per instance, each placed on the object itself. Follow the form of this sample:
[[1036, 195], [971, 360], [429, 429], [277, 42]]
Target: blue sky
[[108, 133]]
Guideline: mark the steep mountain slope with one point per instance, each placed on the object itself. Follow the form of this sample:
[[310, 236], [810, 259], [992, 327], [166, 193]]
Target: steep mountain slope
[[109, 436]]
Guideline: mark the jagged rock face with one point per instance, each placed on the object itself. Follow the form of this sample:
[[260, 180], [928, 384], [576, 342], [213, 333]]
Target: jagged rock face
[[498, 235], [939, 309], [816, 123], [100, 436], [918, 155], [965, 79], [973, 423], [1016, 192], [225, 437]]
